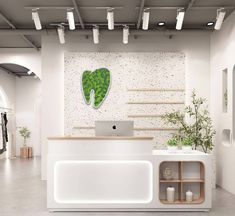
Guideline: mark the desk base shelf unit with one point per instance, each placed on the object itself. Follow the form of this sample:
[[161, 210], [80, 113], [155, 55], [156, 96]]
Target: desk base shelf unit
[[186, 176]]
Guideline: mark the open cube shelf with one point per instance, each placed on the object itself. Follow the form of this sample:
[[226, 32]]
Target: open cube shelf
[[186, 175]]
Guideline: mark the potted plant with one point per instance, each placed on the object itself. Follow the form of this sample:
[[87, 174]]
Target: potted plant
[[187, 143], [172, 145], [25, 133], [194, 122]]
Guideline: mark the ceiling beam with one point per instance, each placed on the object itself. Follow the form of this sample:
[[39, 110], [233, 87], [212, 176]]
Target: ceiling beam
[[78, 13], [72, 7], [153, 31], [8, 71], [7, 20], [141, 9], [192, 8]]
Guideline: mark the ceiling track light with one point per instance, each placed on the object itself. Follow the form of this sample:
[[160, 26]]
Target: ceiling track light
[[61, 34], [209, 24], [145, 23], [29, 72], [219, 18], [96, 34], [161, 24], [110, 18], [180, 18], [125, 34], [70, 18], [36, 19]]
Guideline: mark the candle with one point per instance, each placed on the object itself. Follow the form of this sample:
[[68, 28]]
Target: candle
[[170, 194], [189, 196]]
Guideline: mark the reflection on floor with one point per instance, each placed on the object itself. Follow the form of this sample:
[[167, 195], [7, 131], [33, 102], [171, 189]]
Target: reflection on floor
[[22, 193]]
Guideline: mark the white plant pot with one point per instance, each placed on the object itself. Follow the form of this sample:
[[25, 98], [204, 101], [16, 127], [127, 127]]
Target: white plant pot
[[187, 149], [172, 149]]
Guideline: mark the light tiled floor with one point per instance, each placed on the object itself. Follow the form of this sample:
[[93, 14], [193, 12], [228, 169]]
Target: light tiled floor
[[22, 193]]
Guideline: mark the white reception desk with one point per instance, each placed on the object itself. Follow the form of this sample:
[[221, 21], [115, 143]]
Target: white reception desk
[[123, 174]]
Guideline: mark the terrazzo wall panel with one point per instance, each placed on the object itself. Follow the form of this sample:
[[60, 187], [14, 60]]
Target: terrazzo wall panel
[[159, 70]]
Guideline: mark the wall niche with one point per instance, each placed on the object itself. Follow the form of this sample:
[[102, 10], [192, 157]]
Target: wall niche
[[225, 90], [226, 137]]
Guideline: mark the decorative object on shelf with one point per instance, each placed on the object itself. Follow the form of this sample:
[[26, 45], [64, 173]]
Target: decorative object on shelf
[[167, 173], [98, 83], [187, 143], [25, 133], [172, 145], [170, 194], [226, 97], [198, 125], [189, 196]]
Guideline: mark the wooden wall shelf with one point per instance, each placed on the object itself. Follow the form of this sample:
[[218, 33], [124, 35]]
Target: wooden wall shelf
[[155, 102], [155, 89], [136, 129], [145, 116]]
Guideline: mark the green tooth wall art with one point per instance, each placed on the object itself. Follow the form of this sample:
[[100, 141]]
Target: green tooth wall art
[[97, 81]]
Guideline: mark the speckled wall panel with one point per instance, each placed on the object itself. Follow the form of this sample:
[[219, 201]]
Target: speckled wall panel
[[128, 71]]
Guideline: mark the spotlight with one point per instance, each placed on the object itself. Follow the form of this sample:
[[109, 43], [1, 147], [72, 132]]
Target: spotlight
[[110, 18], [210, 24], [36, 19], [146, 14], [96, 34], [70, 18], [180, 18], [29, 72], [125, 34], [220, 18], [161, 23], [61, 34]]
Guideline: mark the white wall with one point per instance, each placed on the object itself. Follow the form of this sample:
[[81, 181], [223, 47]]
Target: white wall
[[23, 93], [28, 96], [7, 86], [222, 57], [26, 57], [195, 46]]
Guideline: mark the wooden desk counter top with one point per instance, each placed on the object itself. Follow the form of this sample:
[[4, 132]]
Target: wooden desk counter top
[[99, 138]]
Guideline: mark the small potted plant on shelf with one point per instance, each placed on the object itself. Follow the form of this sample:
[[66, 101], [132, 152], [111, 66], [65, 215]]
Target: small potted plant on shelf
[[172, 145], [25, 133], [187, 143]]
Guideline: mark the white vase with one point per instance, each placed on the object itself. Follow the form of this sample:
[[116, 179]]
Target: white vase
[[172, 149], [170, 194], [187, 149], [189, 196]]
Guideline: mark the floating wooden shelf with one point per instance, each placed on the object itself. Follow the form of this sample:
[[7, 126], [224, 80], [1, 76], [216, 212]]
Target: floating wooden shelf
[[157, 89], [182, 180], [84, 127], [192, 180], [144, 116], [155, 102], [170, 181], [136, 129], [155, 129]]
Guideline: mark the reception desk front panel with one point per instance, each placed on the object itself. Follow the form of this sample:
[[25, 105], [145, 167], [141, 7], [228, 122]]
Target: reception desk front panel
[[118, 180], [103, 181]]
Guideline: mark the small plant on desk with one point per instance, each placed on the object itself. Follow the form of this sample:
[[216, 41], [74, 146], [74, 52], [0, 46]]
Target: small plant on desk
[[187, 143], [25, 133], [172, 144]]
